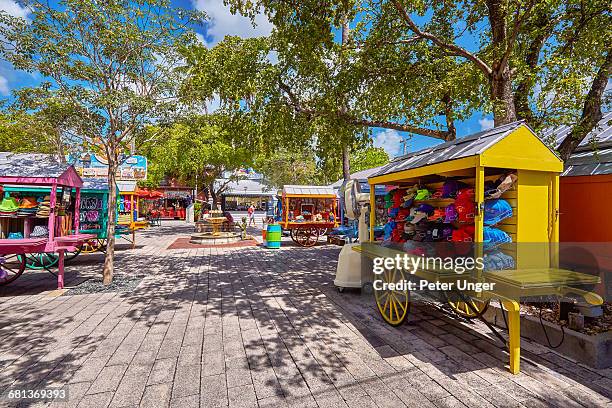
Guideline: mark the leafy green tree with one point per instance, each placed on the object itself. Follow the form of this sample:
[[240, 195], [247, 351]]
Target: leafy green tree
[[197, 152], [285, 166], [413, 66], [111, 63], [23, 133], [368, 158]]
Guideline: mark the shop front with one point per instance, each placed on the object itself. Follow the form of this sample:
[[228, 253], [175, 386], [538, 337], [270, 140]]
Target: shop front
[[167, 203], [240, 195]]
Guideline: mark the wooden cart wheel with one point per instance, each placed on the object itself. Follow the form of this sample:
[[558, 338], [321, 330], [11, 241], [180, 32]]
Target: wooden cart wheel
[[392, 304], [477, 309], [42, 260], [91, 245], [11, 267], [307, 237], [292, 235]]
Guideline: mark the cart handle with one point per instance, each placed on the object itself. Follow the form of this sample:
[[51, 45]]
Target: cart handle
[[591, 298]]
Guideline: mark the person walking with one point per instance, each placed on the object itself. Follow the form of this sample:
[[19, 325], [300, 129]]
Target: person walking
[[251, 213]]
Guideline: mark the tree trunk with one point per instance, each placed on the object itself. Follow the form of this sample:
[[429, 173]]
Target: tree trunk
[[112, 220], [346, 166], [502, 96], [213, 195], [591, 112], [500, 80]]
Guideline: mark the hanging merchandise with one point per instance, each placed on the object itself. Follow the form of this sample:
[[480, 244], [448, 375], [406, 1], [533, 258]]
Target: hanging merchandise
[[465, 233], [450, 188], [496, 210], [422, 194], [393, 212], [494, 189], [438, 215], [450, 213], [422, 212], [493, 237], [497, 260], [465, 206]]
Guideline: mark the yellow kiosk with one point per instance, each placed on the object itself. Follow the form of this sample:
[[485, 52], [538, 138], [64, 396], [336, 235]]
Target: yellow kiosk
[[533, 227], [128, 204]]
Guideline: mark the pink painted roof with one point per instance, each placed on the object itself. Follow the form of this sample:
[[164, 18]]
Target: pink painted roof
[[36, 168]]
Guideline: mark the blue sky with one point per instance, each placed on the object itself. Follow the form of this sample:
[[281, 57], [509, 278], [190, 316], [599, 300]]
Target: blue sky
[[223, 23]]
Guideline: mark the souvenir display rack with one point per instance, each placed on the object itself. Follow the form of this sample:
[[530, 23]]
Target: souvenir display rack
[[21, 233], [477, 161], [308, 212]]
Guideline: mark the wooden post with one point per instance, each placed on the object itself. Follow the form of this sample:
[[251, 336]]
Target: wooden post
[[77, 208], [554, 214], [514, 334], [52, 213], [372, 211], [60, 267]]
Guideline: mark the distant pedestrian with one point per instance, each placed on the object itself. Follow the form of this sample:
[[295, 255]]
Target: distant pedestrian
[[251, 213]]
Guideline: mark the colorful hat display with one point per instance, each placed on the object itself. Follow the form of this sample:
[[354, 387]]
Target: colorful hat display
[[438, 215], [500, 186], [493, 237], [28, 202], [450, 213], [465, 206], [422, 194], [496, 210], [9, 204]]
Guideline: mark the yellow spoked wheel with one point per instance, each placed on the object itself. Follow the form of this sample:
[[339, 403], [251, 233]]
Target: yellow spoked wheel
[[90, 246], [475, 309], [392, 303]]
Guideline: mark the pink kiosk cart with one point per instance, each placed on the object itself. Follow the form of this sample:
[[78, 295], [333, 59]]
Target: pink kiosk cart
[[17, 236]]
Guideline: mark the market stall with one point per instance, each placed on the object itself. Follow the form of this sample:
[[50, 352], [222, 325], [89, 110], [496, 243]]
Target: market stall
[[42, 223], [492, 196], [166, 203], [128, 203], [307, 212]]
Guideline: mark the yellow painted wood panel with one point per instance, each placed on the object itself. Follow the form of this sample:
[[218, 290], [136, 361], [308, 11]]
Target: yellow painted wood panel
[[521, 150]]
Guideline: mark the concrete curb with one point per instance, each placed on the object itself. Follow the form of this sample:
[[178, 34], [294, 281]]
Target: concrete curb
[[594, 351]]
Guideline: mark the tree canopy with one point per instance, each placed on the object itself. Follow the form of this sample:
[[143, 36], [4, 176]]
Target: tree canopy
[[196, 152], [414, 66]]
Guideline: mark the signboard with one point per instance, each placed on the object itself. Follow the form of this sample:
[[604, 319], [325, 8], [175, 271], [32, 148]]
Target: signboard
[[90, 165]]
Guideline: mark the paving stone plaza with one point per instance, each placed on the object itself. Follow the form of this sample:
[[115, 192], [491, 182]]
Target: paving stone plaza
[[250, 327]]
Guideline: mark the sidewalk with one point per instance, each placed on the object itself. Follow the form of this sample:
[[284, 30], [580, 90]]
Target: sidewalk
[[253, 327]]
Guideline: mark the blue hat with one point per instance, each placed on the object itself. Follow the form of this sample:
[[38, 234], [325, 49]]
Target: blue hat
[[496, 211], [494, 237]]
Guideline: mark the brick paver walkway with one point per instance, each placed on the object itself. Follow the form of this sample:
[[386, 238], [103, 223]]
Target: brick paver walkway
[[250, 327]]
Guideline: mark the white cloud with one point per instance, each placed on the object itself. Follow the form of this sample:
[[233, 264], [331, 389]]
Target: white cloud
[[4, 87], [486, 123], [13, 9], [200, 38], [222, 22], [389, 140]]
